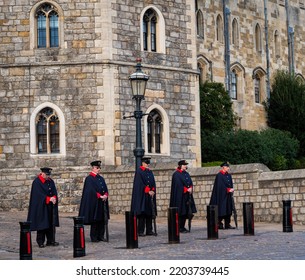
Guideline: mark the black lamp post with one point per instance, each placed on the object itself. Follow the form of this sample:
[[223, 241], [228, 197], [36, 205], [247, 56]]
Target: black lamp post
[[138, 82]]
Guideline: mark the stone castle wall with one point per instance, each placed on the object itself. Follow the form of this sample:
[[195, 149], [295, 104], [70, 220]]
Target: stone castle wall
[[244, 53], [86, 79], [253, 183]]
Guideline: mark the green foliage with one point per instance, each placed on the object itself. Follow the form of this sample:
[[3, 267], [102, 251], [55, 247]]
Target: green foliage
[[212, 163], [274, 148], [279, 163], [286, 106], [216, 111]]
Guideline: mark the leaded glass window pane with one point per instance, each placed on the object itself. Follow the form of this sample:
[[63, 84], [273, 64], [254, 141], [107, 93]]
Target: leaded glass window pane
[[53, 30], [41, 31]]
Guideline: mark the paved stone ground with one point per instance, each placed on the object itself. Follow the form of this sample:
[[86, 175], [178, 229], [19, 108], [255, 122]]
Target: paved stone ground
[[268, 243]]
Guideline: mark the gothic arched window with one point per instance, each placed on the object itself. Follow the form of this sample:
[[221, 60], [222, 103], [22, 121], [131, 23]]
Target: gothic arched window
[[277, 44], [234, 87], [237, 81], [150, 31], [204, 67], [154, 132], [47, 131], [47, 26], [258, 38], [219, 29], [257, 87], [200, 24], [235, 32], [259, 76]]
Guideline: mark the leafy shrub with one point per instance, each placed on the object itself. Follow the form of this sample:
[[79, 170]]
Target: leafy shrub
[[275, 148], [212, 163], [216, 113], [286, 106]]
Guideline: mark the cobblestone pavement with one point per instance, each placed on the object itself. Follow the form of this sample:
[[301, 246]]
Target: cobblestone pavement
[[268, 243]]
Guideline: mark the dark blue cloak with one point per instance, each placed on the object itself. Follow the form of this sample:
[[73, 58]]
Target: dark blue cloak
[[178, 198], [219, 196], [40, 213], [141, 201], [92, 207]]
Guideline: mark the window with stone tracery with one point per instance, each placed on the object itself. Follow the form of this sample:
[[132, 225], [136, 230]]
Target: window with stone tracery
[[237, 90], [47, 131], [47, 27], [154, 132], [257, 86], [234, 84], [259, 80], [204, 68], [150, 31]]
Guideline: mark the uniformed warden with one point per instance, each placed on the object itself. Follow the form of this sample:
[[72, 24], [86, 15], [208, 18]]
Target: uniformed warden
[[143, 202], [43, 208], [94, 203], [182, 188]]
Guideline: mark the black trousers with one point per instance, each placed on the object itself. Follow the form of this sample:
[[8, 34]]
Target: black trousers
[[97, 231], [226, 218], [182, 220], [144, 221], [45, 233]]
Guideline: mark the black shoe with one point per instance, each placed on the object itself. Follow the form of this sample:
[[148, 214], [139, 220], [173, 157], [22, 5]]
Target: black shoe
[[220, 226], [141, 234], [150, 233], [229, 227], [95, 240], [183, 230], [102, 239], [52, 243], [41, 245]]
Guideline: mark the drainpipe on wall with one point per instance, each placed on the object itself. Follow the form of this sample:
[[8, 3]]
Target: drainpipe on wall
[[226, 14], [290, 34], [267, 50]]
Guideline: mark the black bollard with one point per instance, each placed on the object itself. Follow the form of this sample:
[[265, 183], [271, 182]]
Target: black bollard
[[248, 218], [131, 230], [173, 225], [25, 251], [212, 221], [287, 216], [79, 248]]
